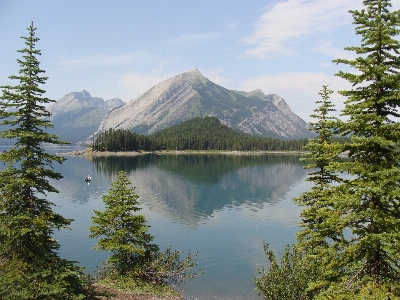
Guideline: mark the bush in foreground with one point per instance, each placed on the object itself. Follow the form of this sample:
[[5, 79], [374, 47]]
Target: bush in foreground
[[288, 280]]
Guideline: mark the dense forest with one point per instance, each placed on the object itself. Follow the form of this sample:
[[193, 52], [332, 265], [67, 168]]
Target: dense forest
[[206, 133]]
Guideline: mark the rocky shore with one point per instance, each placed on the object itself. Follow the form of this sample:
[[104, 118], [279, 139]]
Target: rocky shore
[[88, 152]]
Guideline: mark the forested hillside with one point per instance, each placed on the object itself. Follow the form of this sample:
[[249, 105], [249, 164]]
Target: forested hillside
[[209, 133], [206, 133]]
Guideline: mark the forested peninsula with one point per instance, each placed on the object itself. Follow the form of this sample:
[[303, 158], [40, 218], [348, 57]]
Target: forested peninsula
[[198, 134]]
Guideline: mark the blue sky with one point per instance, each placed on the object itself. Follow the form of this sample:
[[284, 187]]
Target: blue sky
[[121, 48]]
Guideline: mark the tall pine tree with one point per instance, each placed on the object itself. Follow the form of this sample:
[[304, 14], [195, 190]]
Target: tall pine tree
[[30, 265], [299, 269], [321, 152], [362, 230]]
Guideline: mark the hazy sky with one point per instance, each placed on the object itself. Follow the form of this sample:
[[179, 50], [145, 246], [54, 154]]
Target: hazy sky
[[121, 48]]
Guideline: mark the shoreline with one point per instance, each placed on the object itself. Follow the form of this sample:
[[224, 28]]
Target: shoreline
[[87, 152]]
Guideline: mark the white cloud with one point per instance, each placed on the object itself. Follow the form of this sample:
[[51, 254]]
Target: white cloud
[[299, 89], [196, 37], [287, 21]]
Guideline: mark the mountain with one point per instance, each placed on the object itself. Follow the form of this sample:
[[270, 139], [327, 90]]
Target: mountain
[[190, 94], [78, 115]]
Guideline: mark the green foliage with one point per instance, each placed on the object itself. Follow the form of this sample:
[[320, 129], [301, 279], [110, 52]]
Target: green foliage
[[122, 140], [288, 280], [295, 277], [368, 203], [363, 291], [124, 233], [131, 285], [31, 267], [318, 215], [324, 148], [209, 133], [351, 224], [169, 268], [206, 133]]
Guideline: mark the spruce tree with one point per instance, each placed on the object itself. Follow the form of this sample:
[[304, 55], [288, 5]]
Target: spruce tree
[[135, 262], [362, 231], [30, 265], [321, 152], [299, 269], [121, 230]]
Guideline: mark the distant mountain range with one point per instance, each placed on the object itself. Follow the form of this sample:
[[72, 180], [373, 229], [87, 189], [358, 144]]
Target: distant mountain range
[[78, 115]]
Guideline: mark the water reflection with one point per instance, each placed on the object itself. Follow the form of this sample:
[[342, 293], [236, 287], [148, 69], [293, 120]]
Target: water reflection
[[222, 207], [189, 188], [200, 167]]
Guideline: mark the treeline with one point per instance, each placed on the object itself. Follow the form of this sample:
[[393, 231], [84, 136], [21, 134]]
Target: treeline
[[206, 133], [122, 140]]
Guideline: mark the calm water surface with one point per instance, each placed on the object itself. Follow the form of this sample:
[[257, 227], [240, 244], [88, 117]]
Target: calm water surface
[[221, 206]]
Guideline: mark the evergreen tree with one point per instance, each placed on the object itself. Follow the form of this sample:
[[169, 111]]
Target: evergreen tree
[[319, 149], [362, 228], [134, 260], [299, 269], [321, 152], [30, 265], [121, 231]]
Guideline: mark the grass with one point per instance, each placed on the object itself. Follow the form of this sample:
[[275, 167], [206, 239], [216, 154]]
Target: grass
[[135, 287]]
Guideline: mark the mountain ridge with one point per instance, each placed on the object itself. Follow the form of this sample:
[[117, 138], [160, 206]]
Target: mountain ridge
[[79, 117], [190, 94]]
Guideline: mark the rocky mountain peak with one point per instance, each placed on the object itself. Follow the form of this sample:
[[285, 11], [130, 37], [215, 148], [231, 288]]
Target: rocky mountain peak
[[279, 102], [195, 73], [78, 100], [190, 94], [82, 95], [193, 76], [77, 115], [256, 93], [113, 103]]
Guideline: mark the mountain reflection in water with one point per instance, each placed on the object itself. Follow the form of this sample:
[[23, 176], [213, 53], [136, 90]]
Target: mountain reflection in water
[[221, 206], [188, 188]]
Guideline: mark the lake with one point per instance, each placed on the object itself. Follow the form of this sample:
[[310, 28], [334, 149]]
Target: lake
[[221, 206]]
